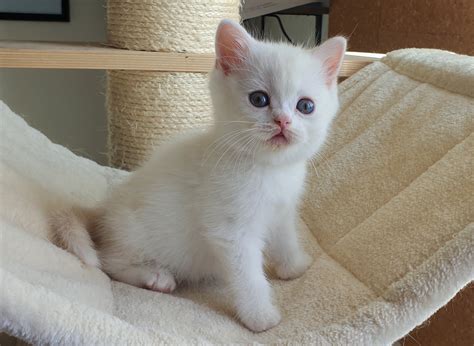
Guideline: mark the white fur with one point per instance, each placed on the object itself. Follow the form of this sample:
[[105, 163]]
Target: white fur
[[207, 205]]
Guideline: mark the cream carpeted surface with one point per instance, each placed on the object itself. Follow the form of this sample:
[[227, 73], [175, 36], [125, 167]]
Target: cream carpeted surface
[[388, 218]]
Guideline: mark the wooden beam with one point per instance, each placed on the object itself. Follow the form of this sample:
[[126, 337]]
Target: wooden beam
[[55, 55], [96, 56], [354, 61]]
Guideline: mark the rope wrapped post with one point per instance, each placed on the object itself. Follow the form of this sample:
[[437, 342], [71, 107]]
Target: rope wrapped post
[[146, 108]]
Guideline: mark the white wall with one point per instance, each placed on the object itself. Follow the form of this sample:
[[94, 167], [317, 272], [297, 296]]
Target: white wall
[[66, 105]]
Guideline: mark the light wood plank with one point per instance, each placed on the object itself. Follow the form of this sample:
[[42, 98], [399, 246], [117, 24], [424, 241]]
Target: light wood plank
[[54, 55], [96, 56]]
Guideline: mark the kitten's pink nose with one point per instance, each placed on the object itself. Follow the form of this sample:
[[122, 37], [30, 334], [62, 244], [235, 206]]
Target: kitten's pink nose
[[283, 121]]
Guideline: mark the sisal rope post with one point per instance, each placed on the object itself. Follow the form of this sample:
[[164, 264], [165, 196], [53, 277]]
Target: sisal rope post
[[146, 108]]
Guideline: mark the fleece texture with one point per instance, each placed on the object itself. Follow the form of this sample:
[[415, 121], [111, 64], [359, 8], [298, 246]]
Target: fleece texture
[[388, 218]]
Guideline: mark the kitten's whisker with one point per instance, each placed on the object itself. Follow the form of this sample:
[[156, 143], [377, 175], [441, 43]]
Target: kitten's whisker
[[234, 121], [242, 154], [228, 148], [227, 144], [241, 151], [254, 151], [217, 143], [220, 142], [314, 167], [237, 153]]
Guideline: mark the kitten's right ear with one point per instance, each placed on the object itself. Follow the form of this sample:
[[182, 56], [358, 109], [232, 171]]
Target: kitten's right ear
[[232, 46], [331, 54]]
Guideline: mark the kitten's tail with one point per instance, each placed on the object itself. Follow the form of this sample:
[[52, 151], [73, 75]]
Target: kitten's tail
[[71, 231]]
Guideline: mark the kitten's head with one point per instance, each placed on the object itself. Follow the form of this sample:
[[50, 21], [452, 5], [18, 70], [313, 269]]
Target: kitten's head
[[274, 101]]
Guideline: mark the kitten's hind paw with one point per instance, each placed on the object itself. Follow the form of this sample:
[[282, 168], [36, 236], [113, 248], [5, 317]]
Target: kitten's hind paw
[[162, 281]]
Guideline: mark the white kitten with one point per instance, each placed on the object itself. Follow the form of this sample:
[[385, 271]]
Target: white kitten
[[209, 204]]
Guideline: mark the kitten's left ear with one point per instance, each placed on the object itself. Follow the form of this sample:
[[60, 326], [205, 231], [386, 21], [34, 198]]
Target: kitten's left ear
[[331, 54], [232, 46]]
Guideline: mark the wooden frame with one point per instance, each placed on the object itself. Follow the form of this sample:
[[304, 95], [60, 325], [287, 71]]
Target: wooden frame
[[54, 55], [62, 17]]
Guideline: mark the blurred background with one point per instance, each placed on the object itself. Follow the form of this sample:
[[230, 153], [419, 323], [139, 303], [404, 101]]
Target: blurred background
[[378, 26], [385, 25]]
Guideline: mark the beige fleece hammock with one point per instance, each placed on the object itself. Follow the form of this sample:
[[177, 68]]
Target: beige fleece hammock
[[387, 216]]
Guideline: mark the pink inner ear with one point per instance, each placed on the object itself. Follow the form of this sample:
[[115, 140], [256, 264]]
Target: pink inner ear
[[231, 47], [331, 53], [332, 65]]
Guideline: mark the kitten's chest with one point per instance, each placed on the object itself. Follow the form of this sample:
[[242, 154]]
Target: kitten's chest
[[284, 186], [275, 188]]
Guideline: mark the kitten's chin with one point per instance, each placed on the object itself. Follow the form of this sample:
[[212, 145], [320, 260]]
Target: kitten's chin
[[279, 140], [282, 150]]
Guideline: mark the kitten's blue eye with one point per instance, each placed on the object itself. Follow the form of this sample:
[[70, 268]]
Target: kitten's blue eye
[[259, 99], [305, 106]]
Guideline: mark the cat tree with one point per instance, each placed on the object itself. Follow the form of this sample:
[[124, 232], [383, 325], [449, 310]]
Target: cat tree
[[147, 107]]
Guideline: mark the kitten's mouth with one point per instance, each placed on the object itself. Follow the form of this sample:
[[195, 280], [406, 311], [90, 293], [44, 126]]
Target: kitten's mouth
[[279, 139]]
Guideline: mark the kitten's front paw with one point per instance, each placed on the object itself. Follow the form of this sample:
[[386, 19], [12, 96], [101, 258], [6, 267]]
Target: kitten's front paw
[[261, 319], [294, 268]]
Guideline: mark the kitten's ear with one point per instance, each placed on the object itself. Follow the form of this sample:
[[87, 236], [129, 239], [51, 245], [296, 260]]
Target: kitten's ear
[[331, 53], [232, 45]]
